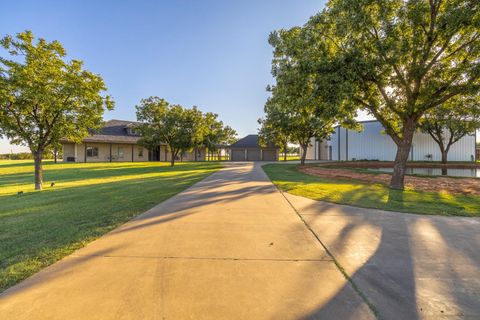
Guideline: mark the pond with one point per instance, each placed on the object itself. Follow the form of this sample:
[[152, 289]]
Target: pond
[[470, 173]]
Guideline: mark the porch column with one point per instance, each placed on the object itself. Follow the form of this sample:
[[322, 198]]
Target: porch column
[[85, 152], [132, 152], [110, 152]]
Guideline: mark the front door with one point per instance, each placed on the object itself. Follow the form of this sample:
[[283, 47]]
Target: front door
[[154, 154]]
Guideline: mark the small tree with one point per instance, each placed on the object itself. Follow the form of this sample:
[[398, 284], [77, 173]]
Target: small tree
[[43, 98], [272, 133], [450, 122], [162, 122], [301, 105], [217, 134]]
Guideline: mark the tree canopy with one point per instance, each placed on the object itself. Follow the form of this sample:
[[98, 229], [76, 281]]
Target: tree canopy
[[44, 98], [182, 129], [402, 59], [301, 106], [451, 121]]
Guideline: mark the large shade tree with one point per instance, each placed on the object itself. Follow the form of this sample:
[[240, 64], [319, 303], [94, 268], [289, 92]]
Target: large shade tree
[[404, 58], [44, 98], [451, 121]]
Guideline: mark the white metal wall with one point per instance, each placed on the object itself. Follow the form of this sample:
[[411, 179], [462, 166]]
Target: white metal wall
[[373, 144]]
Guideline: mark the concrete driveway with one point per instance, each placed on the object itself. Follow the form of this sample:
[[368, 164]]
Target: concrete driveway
[[230, 247], [408, 266], [233, 247]]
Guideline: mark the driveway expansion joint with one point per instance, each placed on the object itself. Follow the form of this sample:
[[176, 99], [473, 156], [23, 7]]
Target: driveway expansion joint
[[202, 258], [337, 264]]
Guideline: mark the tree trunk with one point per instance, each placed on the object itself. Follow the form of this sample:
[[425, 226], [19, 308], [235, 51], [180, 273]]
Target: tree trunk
[[172, 159], [195, 150], [55, 152], [304, 154], [401, 158], [37, 156], [444, 156]]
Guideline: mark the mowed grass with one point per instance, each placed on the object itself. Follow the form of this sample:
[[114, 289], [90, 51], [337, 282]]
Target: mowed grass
[[356, 193], [87, 200], [289, 158]]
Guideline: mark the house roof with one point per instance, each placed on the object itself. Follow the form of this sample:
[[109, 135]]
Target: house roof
[[250, 141], [116, 128], [114, 131]]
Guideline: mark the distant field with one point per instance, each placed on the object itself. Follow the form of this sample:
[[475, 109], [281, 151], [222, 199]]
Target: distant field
[[87, 200], [371, 195]]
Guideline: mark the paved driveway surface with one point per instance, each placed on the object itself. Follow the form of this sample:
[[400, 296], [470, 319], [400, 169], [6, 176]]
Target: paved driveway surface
[[233, 247], [230, 247], [409, 266]]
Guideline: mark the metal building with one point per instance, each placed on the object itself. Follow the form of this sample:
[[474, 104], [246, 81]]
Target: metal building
[[373, 144]]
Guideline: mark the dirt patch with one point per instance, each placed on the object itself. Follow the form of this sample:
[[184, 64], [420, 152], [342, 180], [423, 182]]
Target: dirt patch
[[468, 186]]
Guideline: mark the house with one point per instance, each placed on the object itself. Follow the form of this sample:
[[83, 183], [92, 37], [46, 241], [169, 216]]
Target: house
[[248, 149], [373, 144], [117, 141]]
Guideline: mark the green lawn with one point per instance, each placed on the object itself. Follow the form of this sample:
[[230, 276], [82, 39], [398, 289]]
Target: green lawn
[[289, 158], [88, 200], [359, 194]]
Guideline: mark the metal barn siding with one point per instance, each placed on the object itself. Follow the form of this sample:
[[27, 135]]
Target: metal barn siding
[[372, 144]]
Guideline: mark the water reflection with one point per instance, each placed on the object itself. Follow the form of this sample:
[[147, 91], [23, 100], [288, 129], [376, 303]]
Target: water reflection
[[471, 173]]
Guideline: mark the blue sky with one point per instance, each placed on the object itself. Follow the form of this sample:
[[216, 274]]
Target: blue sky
[[209, 53]]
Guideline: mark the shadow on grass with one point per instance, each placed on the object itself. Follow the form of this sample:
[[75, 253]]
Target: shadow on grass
[[361, 194], [38, 228], [78, 172]]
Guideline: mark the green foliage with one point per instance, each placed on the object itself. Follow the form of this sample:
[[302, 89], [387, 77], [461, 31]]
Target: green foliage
[[451, 121], [180, 128], [43, 98], [360, 194], [400, 59], [301, 106], [215, 134], [16, 156]]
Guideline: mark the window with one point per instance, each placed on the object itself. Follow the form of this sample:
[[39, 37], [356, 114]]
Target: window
[[120, 152], [140, 152], [92, 152]]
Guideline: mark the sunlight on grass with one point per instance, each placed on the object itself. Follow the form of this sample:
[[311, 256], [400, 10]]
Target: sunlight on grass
[[351, 192], [87, 200]]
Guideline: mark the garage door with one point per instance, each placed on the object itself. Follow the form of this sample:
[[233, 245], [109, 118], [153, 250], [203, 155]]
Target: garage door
[[253, 155], [269, 155], [238, 155]]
